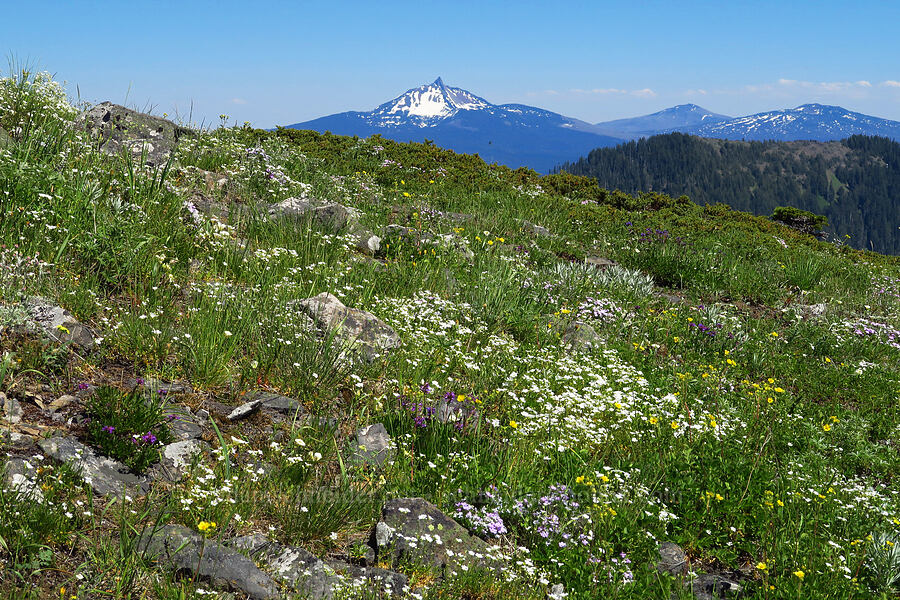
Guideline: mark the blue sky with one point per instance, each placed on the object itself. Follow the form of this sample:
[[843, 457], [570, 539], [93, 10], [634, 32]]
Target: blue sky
[[283, 62]]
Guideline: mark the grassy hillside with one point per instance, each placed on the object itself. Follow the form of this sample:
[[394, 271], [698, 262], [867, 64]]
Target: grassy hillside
[[730, 386], [854, 182]]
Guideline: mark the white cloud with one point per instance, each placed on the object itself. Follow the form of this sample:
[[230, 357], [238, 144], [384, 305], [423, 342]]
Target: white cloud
[[238, 101], [890, 83], [600, 91], [825, 86], [644, 93]]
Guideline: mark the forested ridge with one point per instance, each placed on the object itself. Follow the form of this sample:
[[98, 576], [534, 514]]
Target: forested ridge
[[854, 182]]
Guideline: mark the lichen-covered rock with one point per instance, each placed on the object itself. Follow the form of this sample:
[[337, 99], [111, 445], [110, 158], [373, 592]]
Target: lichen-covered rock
[[59, 324], [352, 327], [117, 128], [183, 550], [12, 409], [414, 530], [106, 476], [537, 230], [20, 476], [329, 215], [581, 336], [373, 445], [672, 559], [600, 262], [175, 459]]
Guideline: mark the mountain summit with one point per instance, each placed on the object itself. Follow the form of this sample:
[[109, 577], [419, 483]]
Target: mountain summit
[[512, 134], [428, 103], [675, 118]]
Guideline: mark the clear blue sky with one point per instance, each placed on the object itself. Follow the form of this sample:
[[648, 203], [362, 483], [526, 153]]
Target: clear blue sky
[[283, 62]]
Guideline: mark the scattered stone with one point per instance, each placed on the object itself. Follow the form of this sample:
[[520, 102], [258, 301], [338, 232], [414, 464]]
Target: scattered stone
[[160, 387], [61, 402], [670, 298], [59, 324], [16, 442], [354, 327], [672, 559], [373, 445], [329, 215], [244, 410], [314, 578], [181, 549], [582, 337], [118, 128], [367, 242], [414, 530], [21, 476], [600, 262], [407, 234], [183, 426], [453, 411], [175, 460], [458, 217], [105, 475], [277, 403], [710, 586], [12, 409], [814, 310], [535, 229]]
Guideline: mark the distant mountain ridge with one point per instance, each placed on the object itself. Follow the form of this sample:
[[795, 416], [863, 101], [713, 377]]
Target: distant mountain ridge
[[670, 119], [521, 135], [819, 122], [453, 118]]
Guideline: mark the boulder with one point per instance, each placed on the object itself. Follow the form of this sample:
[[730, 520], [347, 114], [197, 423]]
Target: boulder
[[106, 476], [672, 559], [20, 476], [581, 337], [600, 262], [373, 445], [183, 550], [118, 129], [175, 459], [414, 530], [12, 409], [353, 327], [535, 229], [59, 324], [314, 578], [329, 215]]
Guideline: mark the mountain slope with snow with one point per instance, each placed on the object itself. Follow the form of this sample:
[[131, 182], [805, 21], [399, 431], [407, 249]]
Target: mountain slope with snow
[[511, 134], [817, 122]]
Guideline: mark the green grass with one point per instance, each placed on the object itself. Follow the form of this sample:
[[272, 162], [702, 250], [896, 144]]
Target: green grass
[[742, 401]]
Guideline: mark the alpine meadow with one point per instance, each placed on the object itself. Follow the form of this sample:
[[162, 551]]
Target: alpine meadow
[[241, 363]]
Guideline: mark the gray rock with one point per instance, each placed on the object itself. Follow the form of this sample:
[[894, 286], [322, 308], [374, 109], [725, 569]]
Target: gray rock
[[20, 476], [535, 229], [414, 530], [711, 586], [105, 475], [329, 215], [12, 409], [458, 217], [278, 403], [184, 428], [367, 242], [61, 402], [672, 559], [407, 234], [353, 327], [175, 459], [118, 129], [59, 324], [373, 445], [181, 549], [244, 410], [453, 411], [581, 336], [600, 262], [252, 544], [15, 442]]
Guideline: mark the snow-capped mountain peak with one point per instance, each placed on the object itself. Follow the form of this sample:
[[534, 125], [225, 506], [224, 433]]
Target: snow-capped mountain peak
[[431, 102]]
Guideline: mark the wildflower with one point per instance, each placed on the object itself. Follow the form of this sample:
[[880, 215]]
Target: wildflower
[[799, 574], [654, 420], [64, 329], [205, 526], [762, 566], [513, 424], [826, 427], [674, 424], [228, 333]]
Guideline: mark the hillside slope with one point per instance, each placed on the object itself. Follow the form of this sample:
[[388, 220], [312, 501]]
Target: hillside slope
[[285, 364], [854, 182]]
